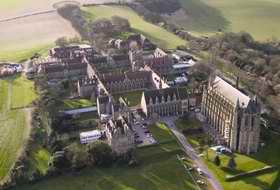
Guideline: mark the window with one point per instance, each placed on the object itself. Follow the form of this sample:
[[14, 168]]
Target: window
[[253, 121], [246, 120]]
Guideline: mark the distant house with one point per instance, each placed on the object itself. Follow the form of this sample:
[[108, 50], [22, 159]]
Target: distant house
[[55, 68]]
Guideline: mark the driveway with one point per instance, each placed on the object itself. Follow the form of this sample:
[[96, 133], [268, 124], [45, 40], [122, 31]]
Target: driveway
[[191, 153]]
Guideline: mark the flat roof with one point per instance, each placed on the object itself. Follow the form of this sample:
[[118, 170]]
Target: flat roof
[[90, 133], [82, 110], [183, 65]]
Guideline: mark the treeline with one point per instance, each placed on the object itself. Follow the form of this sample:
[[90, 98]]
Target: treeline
[[73, 13], [257, 58], [97, 31], [161, 6]]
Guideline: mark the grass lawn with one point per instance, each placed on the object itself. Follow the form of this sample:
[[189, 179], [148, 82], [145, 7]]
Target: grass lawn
[[186, 123], [77, 103], [158, 169], [39, 159], [161, 133], [23, 92], [132, 98], [268, 155], [158, 35], [258, 17], [23, 54], [13, 124]]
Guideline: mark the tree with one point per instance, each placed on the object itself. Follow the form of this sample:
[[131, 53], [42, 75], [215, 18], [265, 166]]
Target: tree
[[231, 163], [120, 23], [217, 160], [100, 153], [75, 40], [201, 71], [104, 26], [62, 42], [77, 154]]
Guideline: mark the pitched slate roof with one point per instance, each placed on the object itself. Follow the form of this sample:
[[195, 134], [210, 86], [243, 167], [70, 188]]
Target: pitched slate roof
[[229, 92]]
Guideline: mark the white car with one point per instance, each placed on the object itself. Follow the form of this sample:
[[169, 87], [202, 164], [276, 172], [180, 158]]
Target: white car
[[197, 110], [200, 172], [200, 182]]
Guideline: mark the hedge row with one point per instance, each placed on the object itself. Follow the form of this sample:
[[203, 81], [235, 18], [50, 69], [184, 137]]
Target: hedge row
[[266, 169]]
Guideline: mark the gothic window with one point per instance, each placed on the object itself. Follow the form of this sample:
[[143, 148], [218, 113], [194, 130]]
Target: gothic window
[[252, 121], [246, 120]]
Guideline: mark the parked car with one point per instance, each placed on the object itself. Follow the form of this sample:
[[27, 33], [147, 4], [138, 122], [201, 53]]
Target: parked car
[[138, 141], [191, 108], [147, 131], [197, 110], [200, 172], [148, 135], [200, 182]]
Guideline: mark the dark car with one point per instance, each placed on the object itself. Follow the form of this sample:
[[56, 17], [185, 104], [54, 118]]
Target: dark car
[[139, 142]]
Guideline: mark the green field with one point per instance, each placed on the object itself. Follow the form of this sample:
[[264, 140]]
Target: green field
[[76, 103], [258, 17], [158, 169], [268, 155], [132, 98], [11, 3], [23, 54], [158, 35], [15, 93]]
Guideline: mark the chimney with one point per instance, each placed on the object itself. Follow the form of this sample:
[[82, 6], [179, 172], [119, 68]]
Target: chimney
[[237, 82]]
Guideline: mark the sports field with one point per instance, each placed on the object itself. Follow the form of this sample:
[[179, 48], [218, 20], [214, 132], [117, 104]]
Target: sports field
[[158, 35], [15, 94], [258, 17]]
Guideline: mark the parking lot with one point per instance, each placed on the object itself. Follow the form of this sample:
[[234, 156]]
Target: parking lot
[[143, 137]]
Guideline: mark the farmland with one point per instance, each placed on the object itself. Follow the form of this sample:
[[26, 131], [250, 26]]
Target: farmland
[[14, 128], [158, 35], [258, 17], [24, 36]]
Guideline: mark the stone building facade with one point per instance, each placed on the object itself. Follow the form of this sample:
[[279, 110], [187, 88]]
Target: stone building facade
[[119, 135], [164, 102], [125, 82], [55, 68], [87, 87], [233, 116]]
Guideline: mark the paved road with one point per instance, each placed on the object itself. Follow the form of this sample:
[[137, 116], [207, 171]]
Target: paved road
[[192, 154]]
